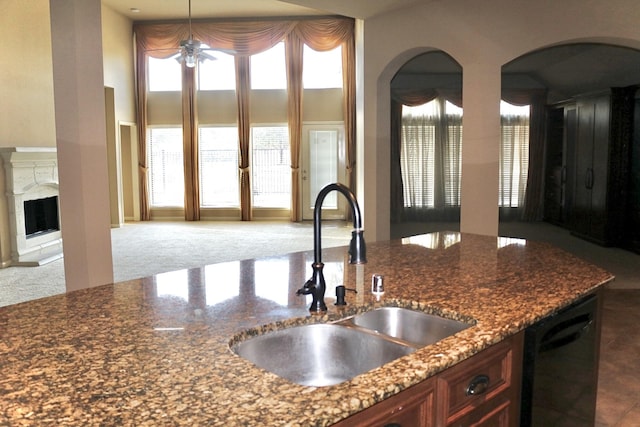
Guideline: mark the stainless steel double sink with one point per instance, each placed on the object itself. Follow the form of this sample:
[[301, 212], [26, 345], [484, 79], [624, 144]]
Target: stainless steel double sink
[[330, 353]]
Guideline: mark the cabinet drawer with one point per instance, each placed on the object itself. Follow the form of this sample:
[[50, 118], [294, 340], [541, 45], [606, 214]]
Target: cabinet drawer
[[475, 381], [413, 407], [496, 413]]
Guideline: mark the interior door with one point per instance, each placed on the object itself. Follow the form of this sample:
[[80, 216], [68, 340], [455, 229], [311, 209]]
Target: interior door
[[322, 163]]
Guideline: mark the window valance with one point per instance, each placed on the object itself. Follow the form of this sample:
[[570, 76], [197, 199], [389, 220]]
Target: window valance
[[242, 38]]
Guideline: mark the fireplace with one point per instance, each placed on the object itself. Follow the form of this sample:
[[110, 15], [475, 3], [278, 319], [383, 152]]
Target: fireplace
[[31, 176], [41, 216]]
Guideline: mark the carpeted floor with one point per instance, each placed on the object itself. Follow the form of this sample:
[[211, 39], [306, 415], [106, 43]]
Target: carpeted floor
[[144, 249]]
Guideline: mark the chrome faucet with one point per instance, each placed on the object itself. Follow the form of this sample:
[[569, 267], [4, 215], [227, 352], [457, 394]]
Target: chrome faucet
[[357, 249]]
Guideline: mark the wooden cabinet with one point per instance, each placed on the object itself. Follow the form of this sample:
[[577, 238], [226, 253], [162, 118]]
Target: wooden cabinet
[[560, 163], [484, 390], [481, 391], [633, 218], [596, 147]]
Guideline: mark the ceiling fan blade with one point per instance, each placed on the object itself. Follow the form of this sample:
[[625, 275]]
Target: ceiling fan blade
[[204, 55]]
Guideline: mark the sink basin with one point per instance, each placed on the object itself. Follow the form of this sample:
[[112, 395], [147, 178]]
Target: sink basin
[[320, 354], [414, 327]]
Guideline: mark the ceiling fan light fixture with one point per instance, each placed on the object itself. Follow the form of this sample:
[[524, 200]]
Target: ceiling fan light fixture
[[189, 50]]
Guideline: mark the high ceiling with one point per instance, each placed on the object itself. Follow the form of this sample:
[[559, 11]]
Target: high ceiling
[[566, 70], [176, 9]]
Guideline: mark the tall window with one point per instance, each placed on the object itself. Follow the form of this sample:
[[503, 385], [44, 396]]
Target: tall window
[[218, 74], [218, 111], [166, 176], [164, 74], [271, 170], [431, 154], [268, 69], [219, 167], [514, 155], [322, 70]]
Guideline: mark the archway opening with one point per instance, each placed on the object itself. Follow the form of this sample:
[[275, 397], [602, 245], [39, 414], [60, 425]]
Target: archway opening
[[426, 145]]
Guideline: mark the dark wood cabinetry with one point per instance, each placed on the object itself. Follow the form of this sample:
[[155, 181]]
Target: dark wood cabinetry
[[483, 390], [632, 224], [588, 165]]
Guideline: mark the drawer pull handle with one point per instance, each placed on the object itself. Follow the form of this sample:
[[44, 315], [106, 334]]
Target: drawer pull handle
[[478, 385]]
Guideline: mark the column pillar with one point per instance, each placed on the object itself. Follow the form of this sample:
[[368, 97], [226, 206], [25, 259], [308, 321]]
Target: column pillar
[[76, 41], [480, 149]]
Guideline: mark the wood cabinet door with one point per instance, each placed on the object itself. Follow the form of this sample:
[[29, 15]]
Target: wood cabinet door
[[581, 210], [600, 175]]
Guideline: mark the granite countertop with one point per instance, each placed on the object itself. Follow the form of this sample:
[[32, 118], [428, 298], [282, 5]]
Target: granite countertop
[[155, 351]]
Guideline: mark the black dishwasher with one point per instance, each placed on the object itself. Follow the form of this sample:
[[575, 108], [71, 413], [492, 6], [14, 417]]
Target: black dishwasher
[[560, 367]]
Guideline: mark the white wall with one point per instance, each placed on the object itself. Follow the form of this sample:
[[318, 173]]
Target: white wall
[[481, 36]]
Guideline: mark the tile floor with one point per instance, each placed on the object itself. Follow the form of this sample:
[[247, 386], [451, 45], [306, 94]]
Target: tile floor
[[619, 376]]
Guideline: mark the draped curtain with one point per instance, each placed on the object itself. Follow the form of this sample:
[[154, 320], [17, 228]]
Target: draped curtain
[[412, 98], [536, 99], [514, 163], [243, 39], [190, 145]]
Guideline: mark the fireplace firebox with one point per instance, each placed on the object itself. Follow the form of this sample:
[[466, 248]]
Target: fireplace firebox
[[41, 216]]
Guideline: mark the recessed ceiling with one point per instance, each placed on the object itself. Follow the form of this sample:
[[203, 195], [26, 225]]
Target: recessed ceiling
[[177, 9], [566, 70], [574, 69]]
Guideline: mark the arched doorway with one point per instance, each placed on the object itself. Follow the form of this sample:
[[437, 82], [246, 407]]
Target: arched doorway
[[426, 145], [585, 171]]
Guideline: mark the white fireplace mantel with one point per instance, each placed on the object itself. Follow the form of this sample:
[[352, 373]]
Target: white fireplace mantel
[[31, 173]]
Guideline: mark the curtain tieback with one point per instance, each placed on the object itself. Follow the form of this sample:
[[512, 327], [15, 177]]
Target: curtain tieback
[[244, 169], [295, 168]]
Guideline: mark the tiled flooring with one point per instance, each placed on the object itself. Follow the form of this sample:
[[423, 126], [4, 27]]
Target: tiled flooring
[[619, 376]]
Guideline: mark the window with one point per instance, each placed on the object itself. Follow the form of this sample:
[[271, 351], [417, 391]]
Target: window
[[219, 167], [164, 74], [268, 69], [322, 70], [514, 155], [271, 170], [431, 154], [218, 74], [166, 170]]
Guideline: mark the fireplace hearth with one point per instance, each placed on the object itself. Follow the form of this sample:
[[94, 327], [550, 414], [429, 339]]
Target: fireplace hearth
[[31, 176]]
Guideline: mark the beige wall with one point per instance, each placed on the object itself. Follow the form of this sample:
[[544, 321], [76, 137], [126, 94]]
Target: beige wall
[[117, 49], [27, 115], [481, 36], [26, 74]]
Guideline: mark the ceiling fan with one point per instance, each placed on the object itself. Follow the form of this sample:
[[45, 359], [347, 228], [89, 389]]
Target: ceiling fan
[[190, 49]]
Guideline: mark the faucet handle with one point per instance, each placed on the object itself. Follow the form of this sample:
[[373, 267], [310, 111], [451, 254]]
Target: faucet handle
[[341, 290], [308, 287]]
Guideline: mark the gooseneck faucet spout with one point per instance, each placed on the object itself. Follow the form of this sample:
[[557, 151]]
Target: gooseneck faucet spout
[[316, 285]]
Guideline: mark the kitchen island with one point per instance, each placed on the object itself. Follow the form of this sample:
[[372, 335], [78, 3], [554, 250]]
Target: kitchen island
[[156, 351]]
